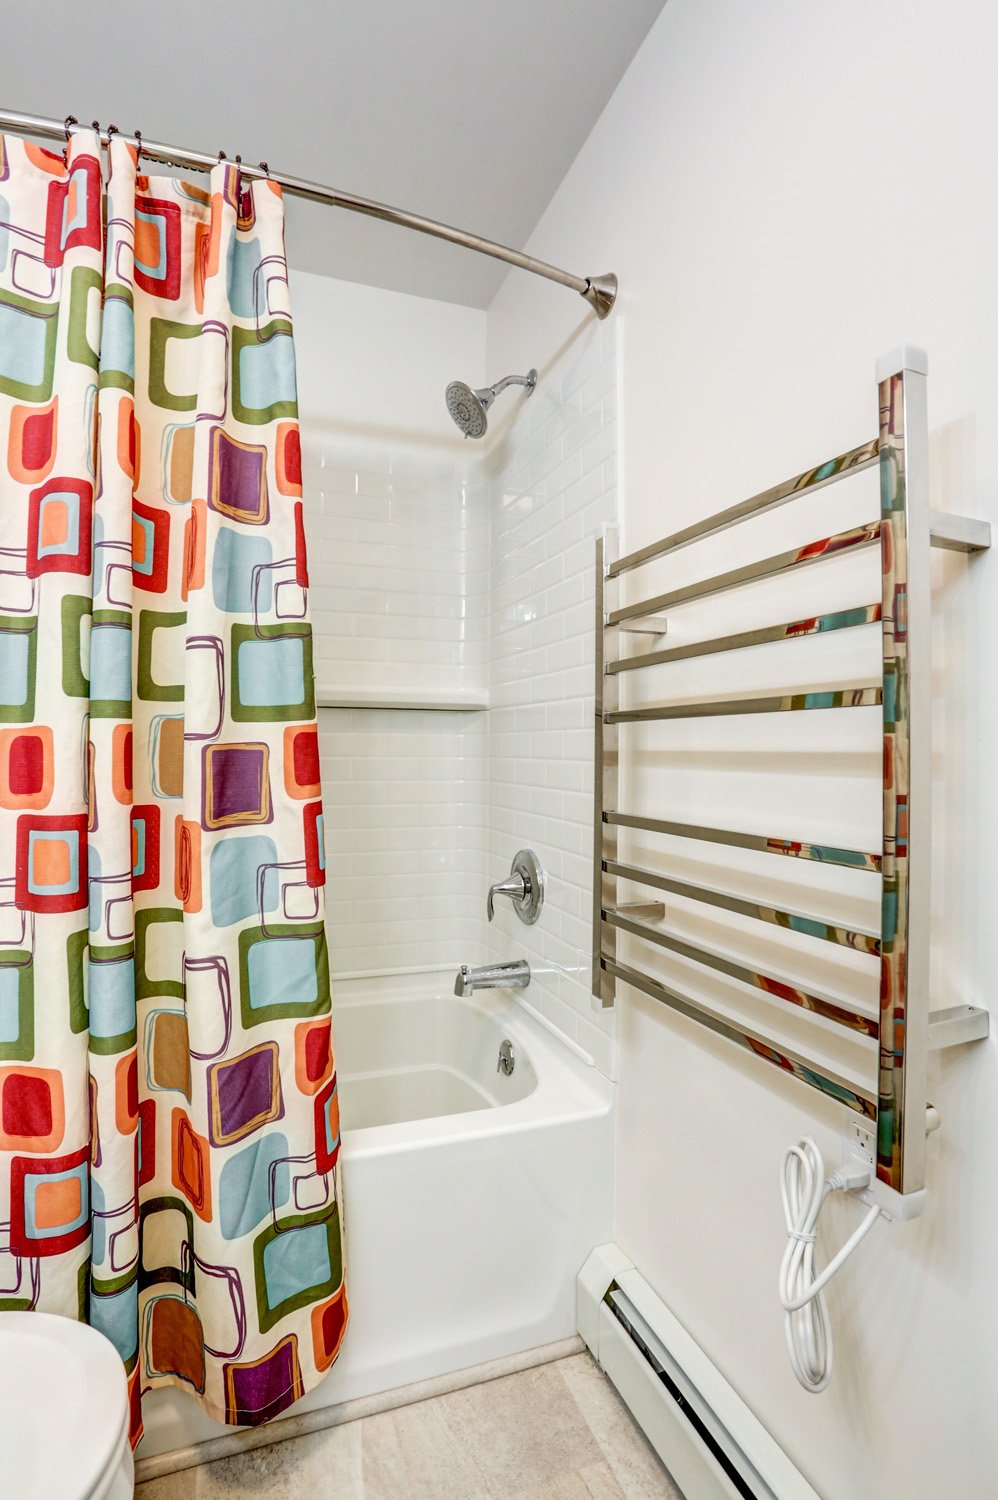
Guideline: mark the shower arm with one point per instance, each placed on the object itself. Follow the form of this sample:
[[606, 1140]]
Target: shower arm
[[599, 291], [528, 380], [488, 393]]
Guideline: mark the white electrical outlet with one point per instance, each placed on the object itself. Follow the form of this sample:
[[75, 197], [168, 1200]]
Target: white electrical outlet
[[859, 1146], [859, 1142]]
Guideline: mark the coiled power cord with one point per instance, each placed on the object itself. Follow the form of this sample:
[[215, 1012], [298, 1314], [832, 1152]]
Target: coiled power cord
[[804, 1188]]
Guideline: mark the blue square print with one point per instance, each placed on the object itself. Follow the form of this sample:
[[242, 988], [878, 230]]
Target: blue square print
[[252, 1184], [267, 373], [112, 997], [294, 1261], [237, 867], [15, 654], [10, 1009], [240, 577], [282, 972], [111, 664], [271, 672]]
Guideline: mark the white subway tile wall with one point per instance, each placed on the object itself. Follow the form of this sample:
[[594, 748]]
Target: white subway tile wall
[[405, 797], [553, 490], [398, 562], [430, 573], [399, 589]]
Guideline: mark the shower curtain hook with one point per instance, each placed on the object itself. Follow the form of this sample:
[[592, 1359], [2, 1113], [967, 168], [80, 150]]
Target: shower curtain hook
[[138, 147], [264, 168], [222, 156], [69, 121]]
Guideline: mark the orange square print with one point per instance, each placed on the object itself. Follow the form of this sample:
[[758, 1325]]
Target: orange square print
[[139, 538], [147, 246], [54, 524], [51, 864], [57, 1203]]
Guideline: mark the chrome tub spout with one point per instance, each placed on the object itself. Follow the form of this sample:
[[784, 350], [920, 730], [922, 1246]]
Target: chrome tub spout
[[513, 976]]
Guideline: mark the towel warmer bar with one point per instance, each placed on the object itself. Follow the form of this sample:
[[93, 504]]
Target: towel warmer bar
[[904, 1030]]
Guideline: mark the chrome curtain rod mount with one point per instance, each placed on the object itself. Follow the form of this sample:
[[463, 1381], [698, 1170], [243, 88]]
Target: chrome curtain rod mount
[[599, 291]]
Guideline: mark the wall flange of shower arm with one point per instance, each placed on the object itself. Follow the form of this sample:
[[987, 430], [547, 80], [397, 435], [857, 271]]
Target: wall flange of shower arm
[[468, 408]]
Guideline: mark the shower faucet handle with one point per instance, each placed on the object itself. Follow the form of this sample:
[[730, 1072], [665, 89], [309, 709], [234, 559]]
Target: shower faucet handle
[[524, 885], [513, 887]]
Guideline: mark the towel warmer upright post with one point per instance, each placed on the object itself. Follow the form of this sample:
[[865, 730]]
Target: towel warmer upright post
[[906, 1029]]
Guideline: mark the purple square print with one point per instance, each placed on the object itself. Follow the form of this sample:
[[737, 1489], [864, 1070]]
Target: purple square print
[[255, 1393], [237, 479], [235, 785], [243, 1094]]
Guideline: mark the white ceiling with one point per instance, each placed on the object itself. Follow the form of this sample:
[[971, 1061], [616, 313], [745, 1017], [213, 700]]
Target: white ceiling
[[466, 112]]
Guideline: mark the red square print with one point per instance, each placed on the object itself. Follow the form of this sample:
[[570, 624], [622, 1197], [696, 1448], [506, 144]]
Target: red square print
[[60, 520], [32, 1109], [27, 766], [49, 1203], [313, 1055], [50, 872], [73, 212], [145, 847], [301, 762], [315, 854]]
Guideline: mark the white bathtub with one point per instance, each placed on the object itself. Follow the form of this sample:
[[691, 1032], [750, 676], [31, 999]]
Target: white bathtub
[[471, 1199]]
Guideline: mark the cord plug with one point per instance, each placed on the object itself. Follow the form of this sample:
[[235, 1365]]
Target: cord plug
[[851, 1177]]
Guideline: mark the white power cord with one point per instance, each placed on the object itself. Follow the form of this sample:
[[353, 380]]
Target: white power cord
[[809, 1333]]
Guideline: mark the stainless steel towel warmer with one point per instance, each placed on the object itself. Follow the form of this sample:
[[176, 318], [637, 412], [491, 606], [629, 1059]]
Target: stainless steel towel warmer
[[905, 1030]]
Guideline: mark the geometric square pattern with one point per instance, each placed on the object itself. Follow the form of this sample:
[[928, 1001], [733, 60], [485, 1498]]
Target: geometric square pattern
[[244, 1092], [272, 672], [257, 1390], [27, 767], [297, 1262], [236, 785], [237, 479], [32, 1110], [59, 527], [51, 862], [168, 1107], [49, 1203], [301, 762], [283, 972]]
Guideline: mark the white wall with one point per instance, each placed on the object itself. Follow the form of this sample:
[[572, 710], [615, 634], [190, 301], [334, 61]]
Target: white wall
[[787, 190]]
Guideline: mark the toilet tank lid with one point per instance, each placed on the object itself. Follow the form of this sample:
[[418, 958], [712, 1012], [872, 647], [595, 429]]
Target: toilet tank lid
[[63, 1404]]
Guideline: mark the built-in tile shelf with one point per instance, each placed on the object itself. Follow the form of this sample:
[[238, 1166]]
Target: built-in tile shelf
[[451, 700]]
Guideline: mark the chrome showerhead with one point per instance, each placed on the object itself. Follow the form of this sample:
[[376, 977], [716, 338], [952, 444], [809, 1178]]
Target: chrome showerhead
[[468, 408]]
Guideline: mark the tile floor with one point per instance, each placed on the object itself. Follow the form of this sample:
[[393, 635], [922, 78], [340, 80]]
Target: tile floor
[[555, 1432]]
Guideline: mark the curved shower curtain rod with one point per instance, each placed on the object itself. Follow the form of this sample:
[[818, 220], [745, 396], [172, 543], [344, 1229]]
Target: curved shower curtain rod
[[599, 291]]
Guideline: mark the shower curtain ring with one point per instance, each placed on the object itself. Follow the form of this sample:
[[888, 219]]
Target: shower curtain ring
[[111, 130], [138, 147], [264, 168], [69, 121], [222, 156]]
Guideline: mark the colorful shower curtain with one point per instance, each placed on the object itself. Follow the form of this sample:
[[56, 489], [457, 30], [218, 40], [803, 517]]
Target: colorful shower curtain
[[168, 1107]]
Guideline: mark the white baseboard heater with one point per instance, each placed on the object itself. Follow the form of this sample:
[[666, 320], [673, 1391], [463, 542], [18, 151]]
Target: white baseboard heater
[[714, 1447]]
